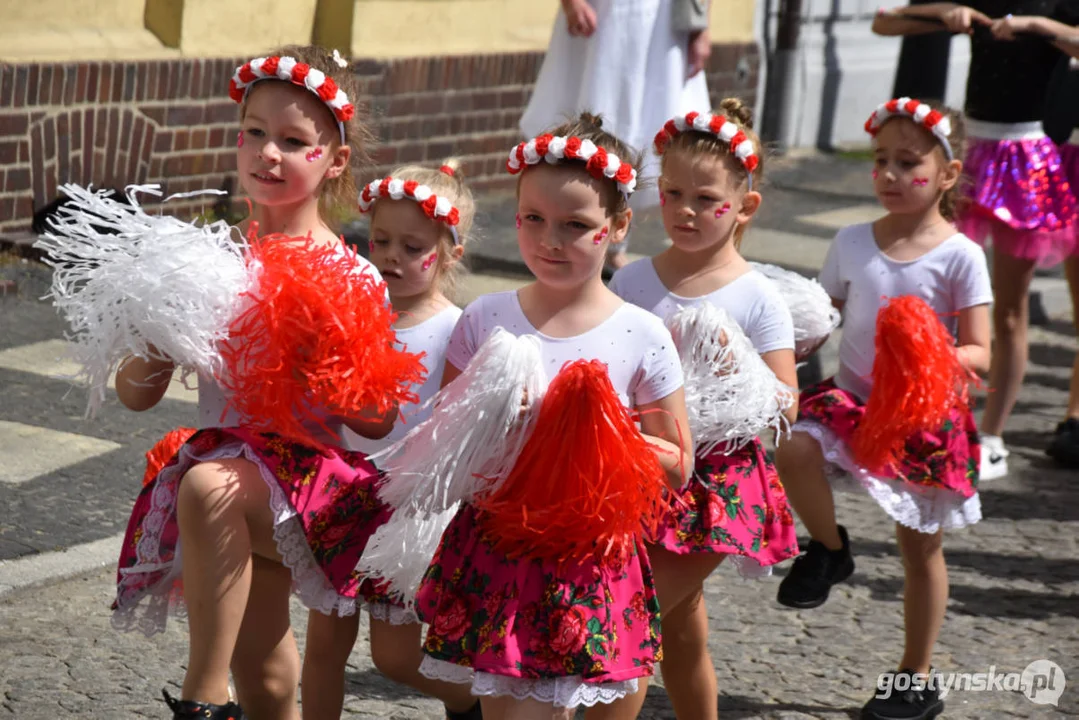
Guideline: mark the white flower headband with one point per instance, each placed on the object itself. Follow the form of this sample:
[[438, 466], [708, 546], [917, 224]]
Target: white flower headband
[[720, 126], [919, 112], [556, 148], [297, 73], [435, 207]]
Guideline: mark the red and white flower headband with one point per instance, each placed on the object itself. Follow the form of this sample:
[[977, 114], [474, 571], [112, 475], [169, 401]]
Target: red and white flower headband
[[556, 148], [917, 111], [297, 73], [435, 207], [720, 126]]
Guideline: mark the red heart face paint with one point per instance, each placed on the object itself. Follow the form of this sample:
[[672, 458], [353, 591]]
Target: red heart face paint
[[429, 261], [314, 155], [518, 221], [240, 139], [723, 210], [662, 199], [919, 182], [600, 236], [875, 173]]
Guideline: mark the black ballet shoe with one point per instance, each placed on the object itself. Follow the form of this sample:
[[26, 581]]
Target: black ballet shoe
[[473, 713], [191, 709]]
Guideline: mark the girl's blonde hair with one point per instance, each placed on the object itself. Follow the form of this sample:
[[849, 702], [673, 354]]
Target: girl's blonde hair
[[451, 186], [697, 144], [589, 126], [338, 193]]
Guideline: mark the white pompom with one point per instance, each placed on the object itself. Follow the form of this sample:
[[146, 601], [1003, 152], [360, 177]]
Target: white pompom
[[815, 318], [732, 396], [130, 283], [475, 432], [400, 552]]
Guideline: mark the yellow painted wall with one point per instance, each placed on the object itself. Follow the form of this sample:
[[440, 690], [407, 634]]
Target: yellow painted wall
[[129, 29], [408, 28]]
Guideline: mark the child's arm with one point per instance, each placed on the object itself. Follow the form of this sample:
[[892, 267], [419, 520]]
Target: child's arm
[[921, 19], [1066, 37], [665, 425], [782, 363], [370, 424], [974, 338], [142, 382]]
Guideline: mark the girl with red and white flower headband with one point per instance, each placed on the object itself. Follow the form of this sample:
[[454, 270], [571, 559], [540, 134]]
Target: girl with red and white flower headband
[[535, 637], [733, 505], [895, 421], [420, 223], [258, 514]]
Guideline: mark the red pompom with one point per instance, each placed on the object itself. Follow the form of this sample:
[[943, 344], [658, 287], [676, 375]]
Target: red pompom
[[316, 334], [917, 380], [586, 482], [164, 451]]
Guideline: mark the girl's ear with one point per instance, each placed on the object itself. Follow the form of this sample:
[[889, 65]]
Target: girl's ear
[[751, 202], [340, 162], [620, 226], [952, 172]]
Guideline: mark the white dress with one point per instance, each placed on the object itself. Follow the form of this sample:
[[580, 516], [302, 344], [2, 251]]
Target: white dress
[[632, 71]]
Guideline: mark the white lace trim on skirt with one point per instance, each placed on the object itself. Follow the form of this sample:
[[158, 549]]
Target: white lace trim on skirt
[[566, 692], [926, 511]]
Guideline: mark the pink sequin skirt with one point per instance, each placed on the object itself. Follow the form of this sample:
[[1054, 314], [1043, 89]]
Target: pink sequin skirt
[[324, 505], [1069, 158], [1018, 197], [734, 505]]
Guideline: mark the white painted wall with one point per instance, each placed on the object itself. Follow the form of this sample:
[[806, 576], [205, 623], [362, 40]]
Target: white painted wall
[[844, 70]]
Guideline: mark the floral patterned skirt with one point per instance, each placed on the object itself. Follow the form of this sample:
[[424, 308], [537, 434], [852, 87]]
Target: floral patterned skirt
[[734, 504], [936, 484], [324, 506], [570, 634]]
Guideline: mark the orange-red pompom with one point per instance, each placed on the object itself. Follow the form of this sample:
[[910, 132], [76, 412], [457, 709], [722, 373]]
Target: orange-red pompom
[[586, 482], [315, 337], [163, 451], [917, 380]]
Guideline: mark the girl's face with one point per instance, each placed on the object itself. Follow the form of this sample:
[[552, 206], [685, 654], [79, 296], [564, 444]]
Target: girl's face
[[910, 170], [564, 228], [405, 246], [289, 145], [703, 200]]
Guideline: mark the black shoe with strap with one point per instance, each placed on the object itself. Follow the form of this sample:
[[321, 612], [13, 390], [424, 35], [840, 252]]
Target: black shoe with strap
[[191, 709], [473, 713], [911, 696], [814, 573]]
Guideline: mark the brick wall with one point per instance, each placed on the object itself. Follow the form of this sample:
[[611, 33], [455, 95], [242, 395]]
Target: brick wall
[[171, 122]]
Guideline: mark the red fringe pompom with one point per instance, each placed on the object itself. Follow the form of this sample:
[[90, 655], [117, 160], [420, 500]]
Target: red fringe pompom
[[586, 482], [917, 380], [163, 451], [316, 334]]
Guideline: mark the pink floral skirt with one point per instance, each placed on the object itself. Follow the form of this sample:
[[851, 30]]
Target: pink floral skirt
[[734, 504], [593, 623], [936, 484], [1018, 195], [1069, 159], [324, 506]]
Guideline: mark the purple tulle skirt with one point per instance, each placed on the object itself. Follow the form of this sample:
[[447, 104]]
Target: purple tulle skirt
[[1019, 197]]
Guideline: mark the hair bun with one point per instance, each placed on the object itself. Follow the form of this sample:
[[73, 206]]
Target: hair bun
[[593, 120], [734, 108]]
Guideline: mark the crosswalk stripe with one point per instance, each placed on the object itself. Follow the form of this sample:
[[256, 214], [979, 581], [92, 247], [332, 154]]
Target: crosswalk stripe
[[46, 567], [30, 451], [50, 359], [841, 218]]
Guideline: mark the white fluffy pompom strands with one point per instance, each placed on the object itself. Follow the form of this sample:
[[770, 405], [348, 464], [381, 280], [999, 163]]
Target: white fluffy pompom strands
[[475, 433], [399, 552], [815, 318], [132, 283], [731, 394]]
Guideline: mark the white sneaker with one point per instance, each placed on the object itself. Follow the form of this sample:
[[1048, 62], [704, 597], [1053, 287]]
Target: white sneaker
[[994, 458]]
